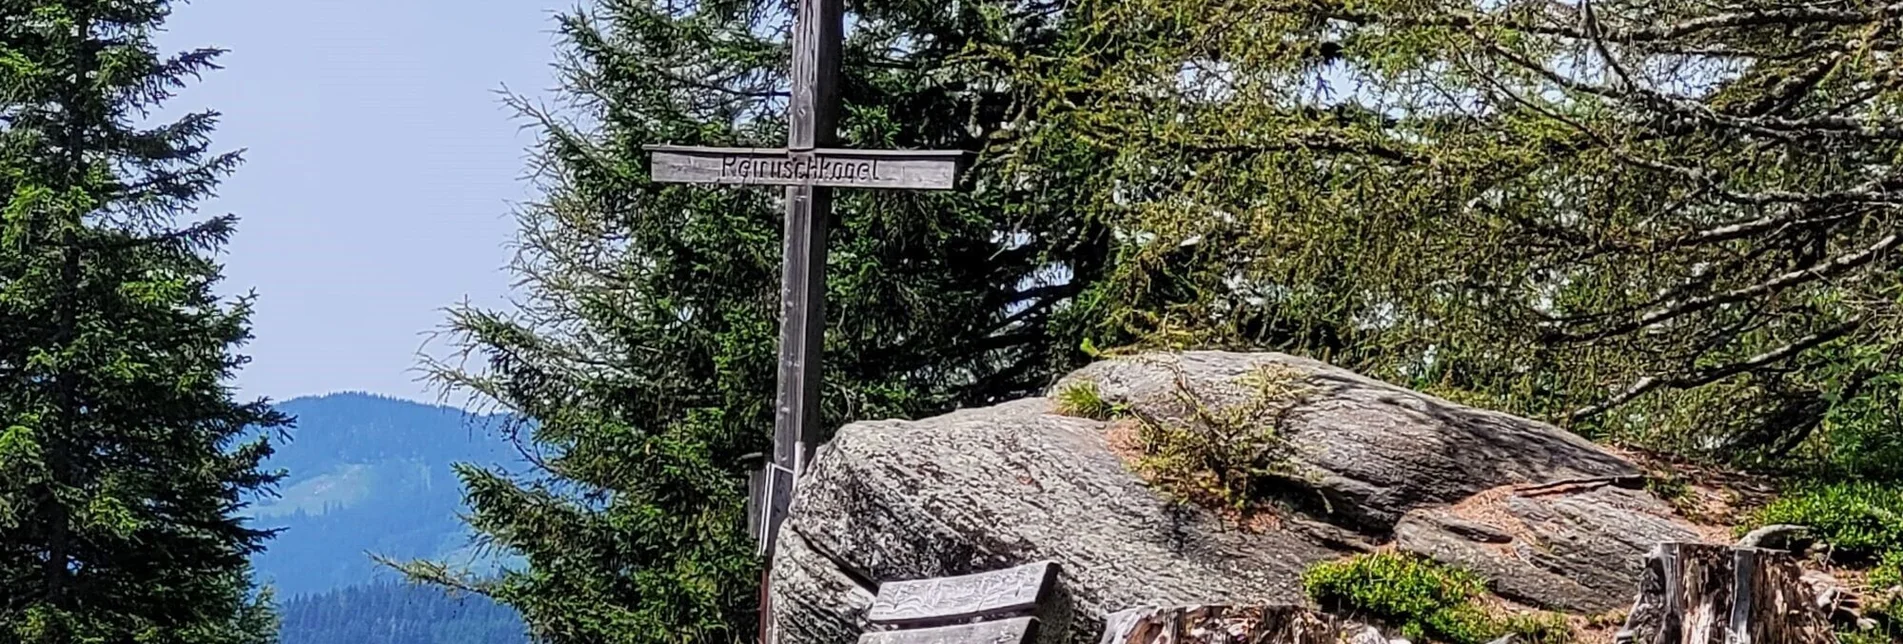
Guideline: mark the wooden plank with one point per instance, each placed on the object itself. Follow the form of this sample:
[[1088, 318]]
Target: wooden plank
[[812, 112], [1012, 590], [1019, 630], [896, 169], [812, 115]]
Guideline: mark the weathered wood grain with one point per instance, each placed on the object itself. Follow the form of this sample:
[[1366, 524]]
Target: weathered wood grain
[[1018, 630], [1217, 624], [1701, 593], [900, 169], [812, 121], [997, 592]]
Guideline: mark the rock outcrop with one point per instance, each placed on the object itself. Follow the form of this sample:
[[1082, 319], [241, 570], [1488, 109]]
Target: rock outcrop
[[1373, 449], [1574, 547], [987, 488]]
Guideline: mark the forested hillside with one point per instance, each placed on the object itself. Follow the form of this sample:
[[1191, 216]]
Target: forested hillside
[[397, 613], [1665, 225], [369, 475]]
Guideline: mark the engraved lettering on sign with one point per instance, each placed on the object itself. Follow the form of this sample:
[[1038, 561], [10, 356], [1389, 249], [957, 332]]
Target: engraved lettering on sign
[[804, 170], [919, 170]]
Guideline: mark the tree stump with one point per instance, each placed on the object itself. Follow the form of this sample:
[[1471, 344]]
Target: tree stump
[[1219, 625], [1701, 593]]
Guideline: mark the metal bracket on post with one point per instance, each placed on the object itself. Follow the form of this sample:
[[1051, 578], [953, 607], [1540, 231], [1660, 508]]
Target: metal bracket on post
[[780, 482]]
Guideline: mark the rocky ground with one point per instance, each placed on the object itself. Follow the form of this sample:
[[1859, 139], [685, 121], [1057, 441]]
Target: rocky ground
[[1342, 464]]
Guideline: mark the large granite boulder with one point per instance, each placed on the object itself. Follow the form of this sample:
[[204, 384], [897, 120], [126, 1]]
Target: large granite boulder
[[983, 489], [1574, 547], [1373, 449], [988, 488]]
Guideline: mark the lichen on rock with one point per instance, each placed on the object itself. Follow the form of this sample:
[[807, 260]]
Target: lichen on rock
[[1349, 458]]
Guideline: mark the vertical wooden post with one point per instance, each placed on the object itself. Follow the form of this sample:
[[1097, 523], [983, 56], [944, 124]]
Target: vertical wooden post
[[812, 122]]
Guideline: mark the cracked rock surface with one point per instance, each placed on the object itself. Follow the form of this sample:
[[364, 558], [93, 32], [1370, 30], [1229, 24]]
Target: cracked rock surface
[[988, 488]]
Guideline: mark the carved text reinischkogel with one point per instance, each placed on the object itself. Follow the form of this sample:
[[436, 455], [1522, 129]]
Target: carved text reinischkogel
[[802, 169]]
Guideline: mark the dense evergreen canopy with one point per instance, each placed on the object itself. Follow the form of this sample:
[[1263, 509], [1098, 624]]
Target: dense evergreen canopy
[[391, 613], [1663, 223], [643, 351], [123, 457]]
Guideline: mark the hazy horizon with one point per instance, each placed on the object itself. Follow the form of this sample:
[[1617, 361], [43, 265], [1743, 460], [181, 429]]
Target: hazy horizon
[[380, 176]]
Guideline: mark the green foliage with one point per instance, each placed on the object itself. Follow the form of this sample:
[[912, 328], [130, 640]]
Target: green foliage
[[1888, 572], [1219, 455], [392, 613], [1469, 198], [1860, 520], [124, 460], [1889, 625], [1082, 399], [642, 357], [1426, 600], [1392, 585]]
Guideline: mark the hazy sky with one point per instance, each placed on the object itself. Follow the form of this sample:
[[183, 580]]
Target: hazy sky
[[381, 171]]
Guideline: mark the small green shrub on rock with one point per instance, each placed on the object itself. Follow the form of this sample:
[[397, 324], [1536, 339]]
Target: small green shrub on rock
[[1426, 600], [1084, 400], [1861, 521]]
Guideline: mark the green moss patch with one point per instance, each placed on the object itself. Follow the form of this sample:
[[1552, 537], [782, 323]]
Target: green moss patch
[[1428, 601], [1861, 521]]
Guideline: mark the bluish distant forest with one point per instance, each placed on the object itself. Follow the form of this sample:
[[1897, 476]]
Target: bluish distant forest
[[388, 612], [1666, 226]]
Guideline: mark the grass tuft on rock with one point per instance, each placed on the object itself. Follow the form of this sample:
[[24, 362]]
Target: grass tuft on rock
[[1428, 601], [1217, 455], [1083, 399]]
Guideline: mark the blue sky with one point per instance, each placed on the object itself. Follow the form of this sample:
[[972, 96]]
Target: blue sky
[[381, 172]]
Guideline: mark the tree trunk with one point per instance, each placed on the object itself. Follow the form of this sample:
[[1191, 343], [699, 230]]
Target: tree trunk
[[1699, 593]]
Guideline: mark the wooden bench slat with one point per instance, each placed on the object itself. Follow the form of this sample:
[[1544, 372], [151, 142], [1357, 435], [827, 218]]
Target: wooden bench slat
[[1018, 630], [996, 592]]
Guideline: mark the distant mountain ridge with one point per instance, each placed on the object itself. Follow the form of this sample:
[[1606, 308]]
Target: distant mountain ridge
[[371, 474], [392, 613]]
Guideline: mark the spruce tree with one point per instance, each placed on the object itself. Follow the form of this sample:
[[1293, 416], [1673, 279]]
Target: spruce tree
[[1670, 223], [124, 457], [641, 359]]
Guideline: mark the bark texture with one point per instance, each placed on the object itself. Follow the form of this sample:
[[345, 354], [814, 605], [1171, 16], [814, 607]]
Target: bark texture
[[1698, 593], [1285, 624]]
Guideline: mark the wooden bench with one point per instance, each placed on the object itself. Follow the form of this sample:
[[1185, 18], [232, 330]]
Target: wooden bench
[[995, 607]]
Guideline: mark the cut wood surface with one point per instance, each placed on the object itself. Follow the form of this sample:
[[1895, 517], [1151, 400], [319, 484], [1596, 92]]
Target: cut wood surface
[[1216, 624], [997, 592], [1017, 630], [1701, 593]]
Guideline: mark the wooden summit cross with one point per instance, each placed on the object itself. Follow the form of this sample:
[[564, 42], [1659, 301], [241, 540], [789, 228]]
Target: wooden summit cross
[[808, 169]]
